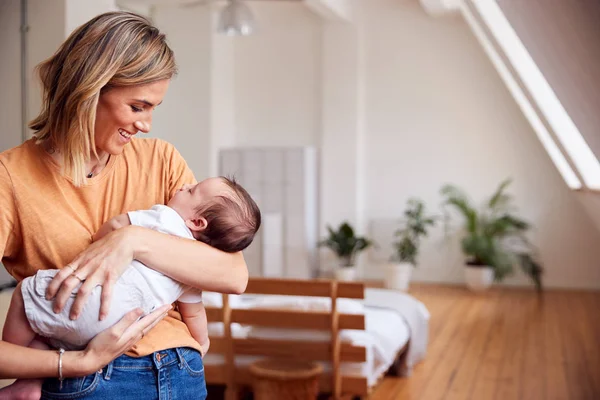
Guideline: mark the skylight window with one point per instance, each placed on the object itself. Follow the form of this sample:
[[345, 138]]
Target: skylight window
[[559, 120]]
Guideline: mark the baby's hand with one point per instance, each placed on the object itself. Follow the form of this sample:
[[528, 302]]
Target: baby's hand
[[112, 224]]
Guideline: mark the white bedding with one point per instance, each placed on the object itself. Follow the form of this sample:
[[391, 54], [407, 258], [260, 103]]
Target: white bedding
[[386, 333], [390, 318]]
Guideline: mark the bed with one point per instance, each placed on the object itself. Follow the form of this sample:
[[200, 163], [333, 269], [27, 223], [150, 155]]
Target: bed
[[357, 334]]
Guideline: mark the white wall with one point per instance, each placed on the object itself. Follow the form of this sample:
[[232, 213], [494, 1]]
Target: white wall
[[184, 117], [426, 108], [343, 135], [277, 77], [223, 124], [47, 20], [10, 74], [437, 112], [79, 12]]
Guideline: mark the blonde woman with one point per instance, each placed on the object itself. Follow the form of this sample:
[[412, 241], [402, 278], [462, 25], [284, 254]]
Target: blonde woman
[[84, 166]]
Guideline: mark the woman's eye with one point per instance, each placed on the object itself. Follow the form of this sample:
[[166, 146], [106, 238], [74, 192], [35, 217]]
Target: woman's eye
[[136, 109]]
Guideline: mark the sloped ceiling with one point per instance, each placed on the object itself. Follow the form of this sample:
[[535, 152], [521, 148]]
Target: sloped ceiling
[[563, 38]]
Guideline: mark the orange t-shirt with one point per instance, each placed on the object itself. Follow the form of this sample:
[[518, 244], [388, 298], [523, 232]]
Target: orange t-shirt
[[45, 221]]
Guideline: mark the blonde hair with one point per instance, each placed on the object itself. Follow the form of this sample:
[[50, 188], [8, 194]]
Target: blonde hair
[[114, 49]]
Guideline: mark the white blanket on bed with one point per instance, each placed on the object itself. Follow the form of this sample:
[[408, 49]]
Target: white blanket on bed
[[387, 334], [414, 313]]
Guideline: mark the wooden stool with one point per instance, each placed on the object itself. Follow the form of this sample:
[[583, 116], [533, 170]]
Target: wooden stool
[[279, 379]]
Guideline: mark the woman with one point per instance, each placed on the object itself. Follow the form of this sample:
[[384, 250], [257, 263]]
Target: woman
[[85, 166]]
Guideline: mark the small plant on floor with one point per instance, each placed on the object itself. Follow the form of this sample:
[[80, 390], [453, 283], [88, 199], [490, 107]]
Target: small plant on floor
[[408, 238], [345, 244], [493, 235]]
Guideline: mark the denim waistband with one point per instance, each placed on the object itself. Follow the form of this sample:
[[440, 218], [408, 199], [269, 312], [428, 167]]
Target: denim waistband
[[156, 360]]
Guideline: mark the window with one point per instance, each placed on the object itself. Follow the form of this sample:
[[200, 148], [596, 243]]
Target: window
[[571, 140]]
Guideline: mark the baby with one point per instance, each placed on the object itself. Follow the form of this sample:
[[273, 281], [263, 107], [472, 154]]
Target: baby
[[216, 211]]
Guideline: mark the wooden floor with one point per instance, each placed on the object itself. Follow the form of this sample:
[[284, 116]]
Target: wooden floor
[[505, 344]]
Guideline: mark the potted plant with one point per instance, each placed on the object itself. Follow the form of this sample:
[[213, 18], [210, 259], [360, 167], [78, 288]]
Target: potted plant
[[494, 238], [346, 245], [406, 246]]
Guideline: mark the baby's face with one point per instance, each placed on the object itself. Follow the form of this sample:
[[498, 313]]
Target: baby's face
[[187, 200]]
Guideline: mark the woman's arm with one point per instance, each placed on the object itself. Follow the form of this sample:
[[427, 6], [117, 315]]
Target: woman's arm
[[202, 267], [104, 261], [17, 362], [190, 262]]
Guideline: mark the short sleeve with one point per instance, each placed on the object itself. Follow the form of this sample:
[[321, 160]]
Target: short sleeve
[[179, 172], [8, 215], [191, 296], [146, 218]]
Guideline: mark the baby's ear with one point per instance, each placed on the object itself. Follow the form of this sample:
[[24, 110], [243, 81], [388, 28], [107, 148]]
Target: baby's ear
[[197, 224]]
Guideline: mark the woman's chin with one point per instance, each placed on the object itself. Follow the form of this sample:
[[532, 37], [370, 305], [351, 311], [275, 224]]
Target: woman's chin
[[116, 148]]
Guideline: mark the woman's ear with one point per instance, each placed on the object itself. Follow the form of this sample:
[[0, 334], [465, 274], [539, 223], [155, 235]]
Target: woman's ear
[[197, 224]]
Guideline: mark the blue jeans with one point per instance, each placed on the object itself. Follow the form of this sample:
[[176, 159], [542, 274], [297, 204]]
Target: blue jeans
[[173, 374]]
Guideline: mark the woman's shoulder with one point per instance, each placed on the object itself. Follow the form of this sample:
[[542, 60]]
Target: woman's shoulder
[[17, 153], [153, 149], [150, 147], [19, 157]]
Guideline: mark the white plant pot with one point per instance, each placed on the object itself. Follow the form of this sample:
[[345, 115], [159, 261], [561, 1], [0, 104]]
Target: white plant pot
[[479, 278], [345, 273], [397, 276]]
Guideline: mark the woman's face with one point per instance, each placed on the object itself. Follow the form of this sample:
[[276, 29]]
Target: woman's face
[[124, 111]]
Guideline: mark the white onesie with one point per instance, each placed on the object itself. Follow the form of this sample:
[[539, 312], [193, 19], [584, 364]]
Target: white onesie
[[139, 286]]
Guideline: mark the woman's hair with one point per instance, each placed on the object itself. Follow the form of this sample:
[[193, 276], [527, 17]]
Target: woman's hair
[[114, 49]]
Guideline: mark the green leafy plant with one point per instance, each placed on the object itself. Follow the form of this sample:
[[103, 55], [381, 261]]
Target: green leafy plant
[[415, 224], [493, 235], [345, 244]]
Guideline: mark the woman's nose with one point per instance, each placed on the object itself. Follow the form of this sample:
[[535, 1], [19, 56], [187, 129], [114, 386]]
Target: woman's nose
[[143, 126]]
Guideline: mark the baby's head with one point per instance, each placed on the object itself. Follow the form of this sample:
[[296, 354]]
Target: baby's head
[[219, 212]]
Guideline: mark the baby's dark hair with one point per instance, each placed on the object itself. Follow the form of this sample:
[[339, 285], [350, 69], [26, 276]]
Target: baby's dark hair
[[232, 220]]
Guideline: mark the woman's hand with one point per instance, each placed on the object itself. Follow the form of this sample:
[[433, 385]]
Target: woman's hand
[[101, 264], [112, 342]]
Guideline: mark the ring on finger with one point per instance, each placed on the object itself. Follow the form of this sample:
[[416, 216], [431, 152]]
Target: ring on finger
[[72, 268], [74, 275]]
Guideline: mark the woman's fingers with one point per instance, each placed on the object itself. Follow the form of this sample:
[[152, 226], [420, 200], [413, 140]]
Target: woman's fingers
[[83, 293], [127, 322], [67, 287], [114, 341], [160, 314], [101, 264], [58, 280], [145, 324], [111, 343], [107, 289]]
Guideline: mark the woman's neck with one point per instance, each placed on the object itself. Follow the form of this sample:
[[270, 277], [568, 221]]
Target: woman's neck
[[93, 165]]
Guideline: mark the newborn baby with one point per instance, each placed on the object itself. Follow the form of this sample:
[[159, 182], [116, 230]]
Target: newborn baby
[[216, 211]]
